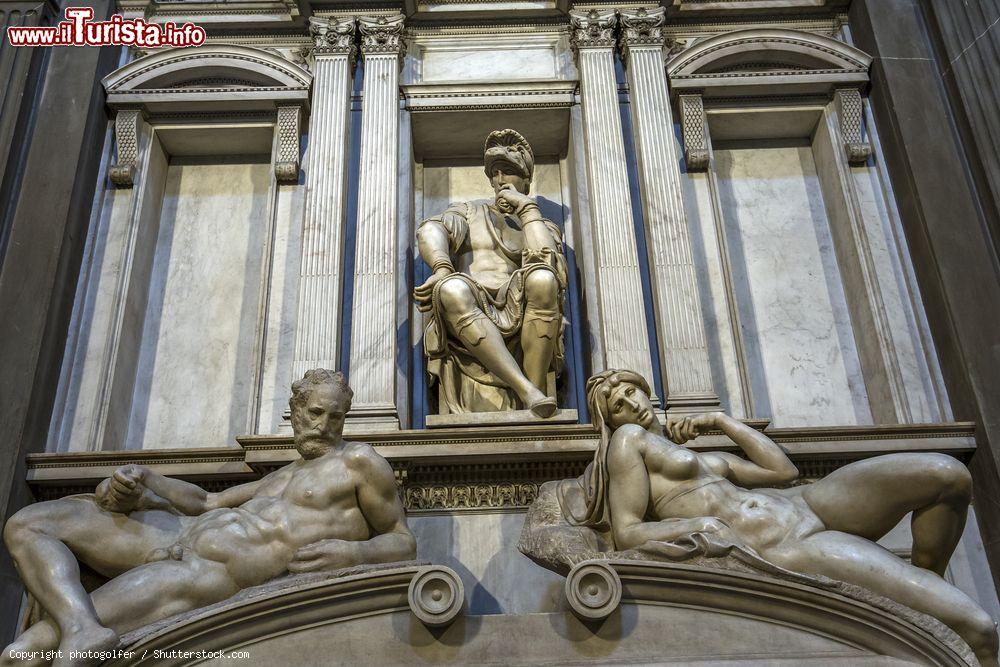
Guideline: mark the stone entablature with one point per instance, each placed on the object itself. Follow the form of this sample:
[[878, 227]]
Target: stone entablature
[[497, 469]]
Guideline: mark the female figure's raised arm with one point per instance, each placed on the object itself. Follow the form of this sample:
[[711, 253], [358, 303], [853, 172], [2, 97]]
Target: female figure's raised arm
[[768, 463]]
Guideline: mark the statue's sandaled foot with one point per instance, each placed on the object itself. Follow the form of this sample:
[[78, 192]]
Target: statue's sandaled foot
[[84, 646], [545, 407]]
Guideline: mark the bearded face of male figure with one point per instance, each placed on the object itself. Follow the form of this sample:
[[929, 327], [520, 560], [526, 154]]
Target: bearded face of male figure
[[318, 419]]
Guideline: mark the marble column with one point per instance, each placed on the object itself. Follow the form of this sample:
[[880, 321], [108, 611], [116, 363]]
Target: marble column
[[619, 281], [317, 334], [373, 323], [679, 322]]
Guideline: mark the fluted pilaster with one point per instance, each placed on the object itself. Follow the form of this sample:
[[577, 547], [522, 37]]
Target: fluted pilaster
[[373, 324], [622, 313], [317, 334], [680, 324]]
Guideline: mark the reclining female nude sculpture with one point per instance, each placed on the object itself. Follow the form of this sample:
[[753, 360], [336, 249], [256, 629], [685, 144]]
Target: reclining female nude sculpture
[[645, 491], [169, 547]]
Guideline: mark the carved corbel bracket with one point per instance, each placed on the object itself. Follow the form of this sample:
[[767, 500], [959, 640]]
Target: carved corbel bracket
[[333, 37], [641, 27], [850, 110], [382, 35], [122, 173], [694, 130], [593, 29], [286, 163]]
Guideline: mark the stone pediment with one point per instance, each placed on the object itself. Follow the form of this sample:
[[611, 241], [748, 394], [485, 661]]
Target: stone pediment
[[767, 61], [220, 76]]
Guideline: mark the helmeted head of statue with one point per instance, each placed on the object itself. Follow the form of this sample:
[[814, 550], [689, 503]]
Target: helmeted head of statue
[[508, 158]]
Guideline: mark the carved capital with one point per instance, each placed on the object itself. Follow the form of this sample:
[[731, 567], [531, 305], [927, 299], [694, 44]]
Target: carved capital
[[381, 34], [122, 172], [694, 131], [850, 109], [593, 29], [333, 36], [286, 162], [641, 27]]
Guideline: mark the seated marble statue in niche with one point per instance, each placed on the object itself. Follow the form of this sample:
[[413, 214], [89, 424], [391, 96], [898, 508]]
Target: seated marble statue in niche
[[168, 547], [645, 496], [494, 335]]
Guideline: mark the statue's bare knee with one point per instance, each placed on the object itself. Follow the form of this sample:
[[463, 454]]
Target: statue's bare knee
[[541, 288], [25, 523], [456, 296], [952, 478]]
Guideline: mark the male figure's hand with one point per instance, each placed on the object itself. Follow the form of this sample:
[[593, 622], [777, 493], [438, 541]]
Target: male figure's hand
[[122, 491], [422, 293], [515, 200], [324, 555]]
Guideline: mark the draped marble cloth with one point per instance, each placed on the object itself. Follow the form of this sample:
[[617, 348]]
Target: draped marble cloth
[[465, 384], [553, 539]]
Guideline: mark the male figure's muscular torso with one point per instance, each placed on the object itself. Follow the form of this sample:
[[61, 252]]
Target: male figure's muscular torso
[[306, 501]]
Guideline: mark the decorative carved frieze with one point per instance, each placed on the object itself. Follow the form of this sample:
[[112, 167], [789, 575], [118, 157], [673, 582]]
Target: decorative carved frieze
[[286, 162], [641, 27], [694, 130], [122, 172], [593, 29], [333, 36], [502, 495], [382, 34], [850, 109]]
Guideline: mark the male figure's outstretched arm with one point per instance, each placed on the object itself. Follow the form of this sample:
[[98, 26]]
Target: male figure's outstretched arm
[[130, 484]]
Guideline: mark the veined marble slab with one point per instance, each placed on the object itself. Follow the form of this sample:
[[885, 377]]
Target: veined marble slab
[[194, 384], [801, 352]]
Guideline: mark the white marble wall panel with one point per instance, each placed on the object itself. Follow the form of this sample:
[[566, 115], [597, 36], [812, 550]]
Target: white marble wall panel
[[95, 392], [482, 549], [488, 64], [279, 346], [194, 379], [82, 380], [716, 302], [914, 350], [803, 361], [489, 58]]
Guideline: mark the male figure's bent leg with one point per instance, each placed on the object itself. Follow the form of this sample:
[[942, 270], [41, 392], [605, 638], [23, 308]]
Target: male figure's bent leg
[[47, 539], [540, 330], [483, 340], [144, 595]]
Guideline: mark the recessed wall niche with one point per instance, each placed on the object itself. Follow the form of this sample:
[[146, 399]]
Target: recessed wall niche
[[810, 302], [176, 326]]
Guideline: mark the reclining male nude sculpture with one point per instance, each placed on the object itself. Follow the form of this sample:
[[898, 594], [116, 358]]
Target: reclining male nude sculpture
[[644, 488], [168, 546]]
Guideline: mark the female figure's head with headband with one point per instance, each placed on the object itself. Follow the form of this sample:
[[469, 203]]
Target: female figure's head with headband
[[614, 397]]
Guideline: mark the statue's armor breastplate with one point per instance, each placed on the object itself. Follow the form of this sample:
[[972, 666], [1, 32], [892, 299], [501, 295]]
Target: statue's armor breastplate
[[493, 247]]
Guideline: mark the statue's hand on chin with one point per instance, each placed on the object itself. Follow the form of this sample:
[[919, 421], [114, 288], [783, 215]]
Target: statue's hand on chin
[[325, 555]]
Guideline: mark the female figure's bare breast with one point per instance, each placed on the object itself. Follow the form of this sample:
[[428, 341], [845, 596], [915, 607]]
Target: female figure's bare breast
[[684, 484]]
